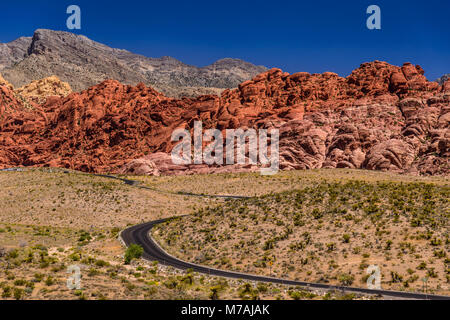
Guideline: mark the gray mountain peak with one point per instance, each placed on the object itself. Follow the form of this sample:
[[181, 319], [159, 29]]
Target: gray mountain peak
[[83, 62]]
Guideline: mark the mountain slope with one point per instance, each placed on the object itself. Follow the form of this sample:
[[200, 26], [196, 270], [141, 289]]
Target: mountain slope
[[13, 52], [83, 63], [5, 83]]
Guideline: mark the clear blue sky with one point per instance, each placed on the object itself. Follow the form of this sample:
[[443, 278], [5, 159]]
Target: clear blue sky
[[313, 36]]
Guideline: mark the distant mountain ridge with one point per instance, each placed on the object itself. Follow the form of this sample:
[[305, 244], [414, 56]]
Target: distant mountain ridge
[[83, 63]]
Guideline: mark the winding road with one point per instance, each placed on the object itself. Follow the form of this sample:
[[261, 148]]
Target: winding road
[[140, 235]]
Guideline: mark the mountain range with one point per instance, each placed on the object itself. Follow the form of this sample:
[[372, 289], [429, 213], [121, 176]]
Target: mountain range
[[82, 63]]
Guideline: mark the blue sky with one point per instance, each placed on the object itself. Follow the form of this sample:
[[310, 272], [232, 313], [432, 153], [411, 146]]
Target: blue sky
[[313, 36]]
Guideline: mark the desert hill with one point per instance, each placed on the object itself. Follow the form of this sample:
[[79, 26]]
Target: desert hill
[[324, 232]]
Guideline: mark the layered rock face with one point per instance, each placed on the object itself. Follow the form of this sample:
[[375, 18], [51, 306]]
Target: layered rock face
[[13, 52], [381, 117], [9, 103]]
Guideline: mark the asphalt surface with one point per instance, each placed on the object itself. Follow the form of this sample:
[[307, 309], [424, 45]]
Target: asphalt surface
[[140, 235]]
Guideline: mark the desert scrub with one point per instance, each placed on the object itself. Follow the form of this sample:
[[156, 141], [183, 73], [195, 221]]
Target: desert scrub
[[134, 251], [303, 230]]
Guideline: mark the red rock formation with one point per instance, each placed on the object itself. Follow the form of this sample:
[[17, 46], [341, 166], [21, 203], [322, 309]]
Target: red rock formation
[[446, 86], [381, 117]]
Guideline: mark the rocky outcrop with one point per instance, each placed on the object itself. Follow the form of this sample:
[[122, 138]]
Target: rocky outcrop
[[446, 87], [443, 79], [160, 163], [39, 90], [83, 63], [143, 166], [381, 117], [391, 155], [9, 104]]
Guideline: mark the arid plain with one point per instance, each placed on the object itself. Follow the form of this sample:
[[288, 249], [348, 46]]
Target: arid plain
[[54, 218]]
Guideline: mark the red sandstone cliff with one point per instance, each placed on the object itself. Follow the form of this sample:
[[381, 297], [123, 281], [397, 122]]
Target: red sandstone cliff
[[381, 117]]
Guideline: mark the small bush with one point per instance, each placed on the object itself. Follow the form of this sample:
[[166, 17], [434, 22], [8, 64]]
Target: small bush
[[346, 238], [133, 252], [18, 293], [346, 279]]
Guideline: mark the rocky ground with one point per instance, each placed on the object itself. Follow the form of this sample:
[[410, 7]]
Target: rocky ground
[[381, 117]]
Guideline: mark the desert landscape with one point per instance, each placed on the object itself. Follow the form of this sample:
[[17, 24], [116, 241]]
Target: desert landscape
[[325, 231], [380, 117], [70, 218], [85, 153]]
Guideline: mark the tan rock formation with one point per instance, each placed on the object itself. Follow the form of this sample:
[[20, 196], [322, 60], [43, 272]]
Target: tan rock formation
[[39, 90]]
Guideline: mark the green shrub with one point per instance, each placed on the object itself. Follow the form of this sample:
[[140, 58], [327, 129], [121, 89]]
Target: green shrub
[[346, 238], [20, 282], [101, 263], [396, 278], [18, 293], [346, 279], [6, 292], [262, 288], [214, 294], [49, 281], [134, 251]]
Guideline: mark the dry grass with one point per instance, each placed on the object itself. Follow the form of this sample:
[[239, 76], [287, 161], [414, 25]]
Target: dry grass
[[254, 184], [50, 219], [80, 201], [327, 232], [31, 270]]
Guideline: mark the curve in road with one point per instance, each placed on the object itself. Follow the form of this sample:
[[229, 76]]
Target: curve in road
[[140, 235]]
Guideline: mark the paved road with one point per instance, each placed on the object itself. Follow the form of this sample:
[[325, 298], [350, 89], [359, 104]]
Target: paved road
[[140, 235]]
